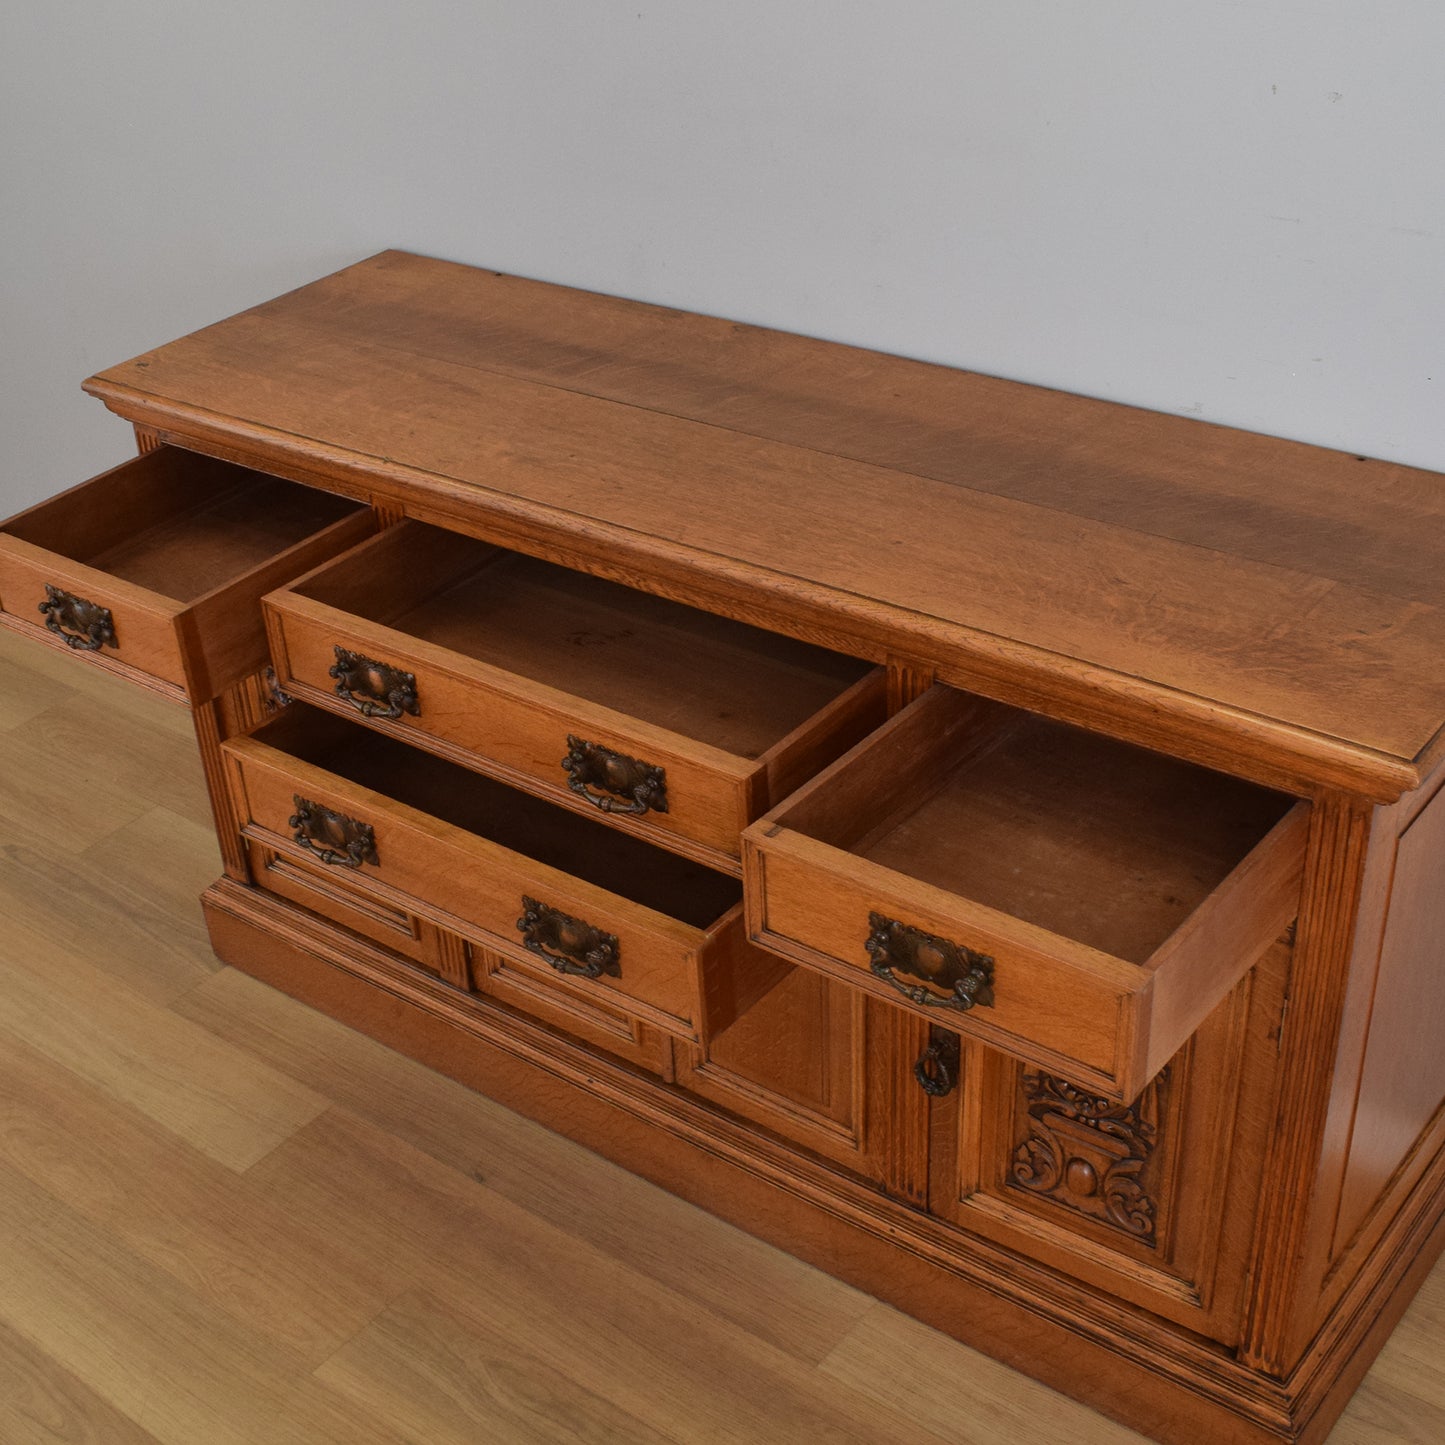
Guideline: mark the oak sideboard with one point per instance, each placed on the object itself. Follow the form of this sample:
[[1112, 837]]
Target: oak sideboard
[[986, 841]]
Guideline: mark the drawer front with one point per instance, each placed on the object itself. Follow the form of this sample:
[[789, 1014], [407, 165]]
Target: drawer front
[[639, 960], [1160, 885], [585, 757], [531, 988], [823, 907], [327, 892], [178, 550], [1105, 1022], [97, 617], [518, 983]]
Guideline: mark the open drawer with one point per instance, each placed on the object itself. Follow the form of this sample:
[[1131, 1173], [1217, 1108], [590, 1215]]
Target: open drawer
[[1074, 901], [157, 567], [674, 724], [648, 931]]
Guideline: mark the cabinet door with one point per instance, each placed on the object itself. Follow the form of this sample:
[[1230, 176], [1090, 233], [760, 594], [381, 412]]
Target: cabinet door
[[827, 1068], [1152, 1200]]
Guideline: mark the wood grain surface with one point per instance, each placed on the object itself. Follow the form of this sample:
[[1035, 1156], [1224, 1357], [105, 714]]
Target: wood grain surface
[[227, 1218], [1228, 580]]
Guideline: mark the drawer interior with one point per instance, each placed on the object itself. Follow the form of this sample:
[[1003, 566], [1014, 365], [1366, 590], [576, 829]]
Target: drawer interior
[[179, 524], [1093, 839], [661, 881], [720, 682]]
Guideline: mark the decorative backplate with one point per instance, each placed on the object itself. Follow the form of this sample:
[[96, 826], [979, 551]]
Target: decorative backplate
[[953, 976], [375, 689], [567, 943], [332, 836], [84, 625], [1087, 1153], [612, 781]]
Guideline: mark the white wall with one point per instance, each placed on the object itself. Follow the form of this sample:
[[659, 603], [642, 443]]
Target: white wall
[[1225, 208]]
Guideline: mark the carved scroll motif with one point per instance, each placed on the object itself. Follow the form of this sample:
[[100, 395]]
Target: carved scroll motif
[[1089, 1154]]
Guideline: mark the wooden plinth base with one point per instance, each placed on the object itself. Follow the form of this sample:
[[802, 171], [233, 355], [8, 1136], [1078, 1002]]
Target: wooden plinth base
[[1163, 1381]]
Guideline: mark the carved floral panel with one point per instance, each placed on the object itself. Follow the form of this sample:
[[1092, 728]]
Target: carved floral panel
[[1090, 1154]]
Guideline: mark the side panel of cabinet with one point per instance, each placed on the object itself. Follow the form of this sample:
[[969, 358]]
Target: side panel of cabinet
[[1399, 1110], [1153, 1200]]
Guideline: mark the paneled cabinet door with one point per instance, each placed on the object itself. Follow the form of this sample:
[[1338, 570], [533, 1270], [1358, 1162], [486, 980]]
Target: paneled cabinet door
[[1152, 1200], [823, 1066]]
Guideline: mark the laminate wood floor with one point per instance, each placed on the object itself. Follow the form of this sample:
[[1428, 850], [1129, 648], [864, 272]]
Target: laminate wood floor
[[225, 1218]]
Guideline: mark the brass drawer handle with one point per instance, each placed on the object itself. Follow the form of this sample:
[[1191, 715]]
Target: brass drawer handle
[[374, 689], [628, 785], [84, 625], [332, 836], [895, 948], [568, 944], [937, 1066]]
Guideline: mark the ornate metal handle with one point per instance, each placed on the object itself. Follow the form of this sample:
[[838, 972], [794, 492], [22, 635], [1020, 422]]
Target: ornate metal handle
[[965, 976], [374, 689], [567, 943], [937, 1066], [84, 625], [332, 836], [628, 786]]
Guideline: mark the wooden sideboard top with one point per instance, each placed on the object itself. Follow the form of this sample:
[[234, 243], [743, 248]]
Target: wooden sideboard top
[[1210, 591]]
